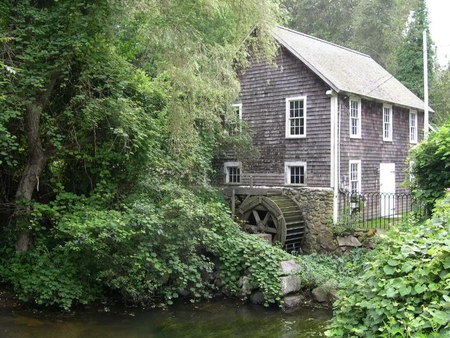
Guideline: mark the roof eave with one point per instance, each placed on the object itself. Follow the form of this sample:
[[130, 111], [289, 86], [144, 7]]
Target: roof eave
[[397, 104]]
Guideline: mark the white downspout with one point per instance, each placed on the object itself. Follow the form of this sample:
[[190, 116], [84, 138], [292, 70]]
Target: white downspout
[[334, 150]]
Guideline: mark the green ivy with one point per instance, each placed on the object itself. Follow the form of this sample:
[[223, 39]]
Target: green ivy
[[405, 289]]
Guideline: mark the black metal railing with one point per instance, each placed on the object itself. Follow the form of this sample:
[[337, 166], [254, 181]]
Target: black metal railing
[[377, 210]]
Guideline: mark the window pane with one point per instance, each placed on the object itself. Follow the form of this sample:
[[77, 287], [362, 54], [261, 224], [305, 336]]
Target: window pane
[[354, 177], [296, 117], [234, 175], [297, 175], [354, 118], [387, 123], [233, 125], [413, 127]]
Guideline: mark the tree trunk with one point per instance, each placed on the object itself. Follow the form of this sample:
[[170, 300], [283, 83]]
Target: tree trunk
[[37, 158], [30, 177]]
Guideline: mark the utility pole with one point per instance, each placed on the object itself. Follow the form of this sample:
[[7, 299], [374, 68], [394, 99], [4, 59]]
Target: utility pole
[[425, 84]]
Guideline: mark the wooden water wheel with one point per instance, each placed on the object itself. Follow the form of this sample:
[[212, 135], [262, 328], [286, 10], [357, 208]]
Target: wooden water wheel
[[277, 215]]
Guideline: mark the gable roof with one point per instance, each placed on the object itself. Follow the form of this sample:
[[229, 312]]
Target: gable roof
[[346, 70]]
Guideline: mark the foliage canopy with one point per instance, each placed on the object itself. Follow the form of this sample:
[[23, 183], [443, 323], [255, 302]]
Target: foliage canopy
[[97, 96], [106, 92]]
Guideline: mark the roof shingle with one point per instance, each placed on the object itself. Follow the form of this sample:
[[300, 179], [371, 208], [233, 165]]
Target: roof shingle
[[346, 70]]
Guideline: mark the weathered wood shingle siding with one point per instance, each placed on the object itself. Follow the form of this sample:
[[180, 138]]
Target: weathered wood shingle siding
[[371, 149], [264, 89]]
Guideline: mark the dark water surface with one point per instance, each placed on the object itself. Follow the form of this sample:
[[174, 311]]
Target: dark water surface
[[215, 319]]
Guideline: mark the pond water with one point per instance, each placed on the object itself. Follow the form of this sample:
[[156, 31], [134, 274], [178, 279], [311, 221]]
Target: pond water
[[215, 319]]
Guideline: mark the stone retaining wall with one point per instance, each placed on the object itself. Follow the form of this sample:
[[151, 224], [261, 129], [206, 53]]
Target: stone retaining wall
[[317, 207]]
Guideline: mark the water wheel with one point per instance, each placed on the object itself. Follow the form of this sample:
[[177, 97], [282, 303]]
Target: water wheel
[[278, 215]]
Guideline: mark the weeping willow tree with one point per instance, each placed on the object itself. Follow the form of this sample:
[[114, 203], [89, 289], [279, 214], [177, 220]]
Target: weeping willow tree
[[200, 46], [105, 91]]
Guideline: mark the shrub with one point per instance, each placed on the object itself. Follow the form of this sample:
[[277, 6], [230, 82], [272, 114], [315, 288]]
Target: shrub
[[430, 166], [320, 269], [405, 290], [162, 241]]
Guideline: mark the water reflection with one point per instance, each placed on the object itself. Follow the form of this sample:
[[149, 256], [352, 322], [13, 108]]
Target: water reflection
[[218, 319]]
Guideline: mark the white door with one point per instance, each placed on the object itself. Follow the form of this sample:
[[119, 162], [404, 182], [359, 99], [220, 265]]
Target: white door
[[387, 189]]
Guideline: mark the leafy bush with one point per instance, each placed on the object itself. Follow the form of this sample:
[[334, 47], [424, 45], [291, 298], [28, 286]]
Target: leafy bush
[[405, 291], [319, 269], [430, 166], [49, 277], [162, 242]]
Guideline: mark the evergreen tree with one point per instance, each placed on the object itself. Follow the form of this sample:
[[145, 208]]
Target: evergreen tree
[[370, 26], [410, 55], [378, 27]]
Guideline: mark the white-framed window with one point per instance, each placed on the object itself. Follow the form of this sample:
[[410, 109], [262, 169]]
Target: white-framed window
[[295, 173], [234, 125], [413, 126], [232, 171], [387, 122], [296, 117], [355, 176], [355, 117]]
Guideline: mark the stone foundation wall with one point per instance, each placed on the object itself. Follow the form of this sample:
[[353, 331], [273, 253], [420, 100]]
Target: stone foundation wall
[[317, 207]]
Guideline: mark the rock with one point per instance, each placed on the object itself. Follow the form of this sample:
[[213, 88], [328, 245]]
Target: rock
[[326, 242], [369, 244], [183, 292], [291, 302], [226, 292], [265, 237], [324, 293], [246, 286], [359, 234], [333, 295], [290, 284], [349, 241], [289, 267], [257, 298], [371, 232]]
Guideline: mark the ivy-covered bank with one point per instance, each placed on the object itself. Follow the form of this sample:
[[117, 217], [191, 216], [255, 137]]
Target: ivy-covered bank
[[405, 289], [162, 243]]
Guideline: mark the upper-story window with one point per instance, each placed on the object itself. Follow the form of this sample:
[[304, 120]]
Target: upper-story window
[[295, 172], [387, 122], [355, 176], [413, 126], [232, 172], [233, 124], [355, 118], [296, 117]]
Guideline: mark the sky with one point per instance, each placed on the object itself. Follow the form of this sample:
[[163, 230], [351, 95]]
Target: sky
[[439, 15]]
